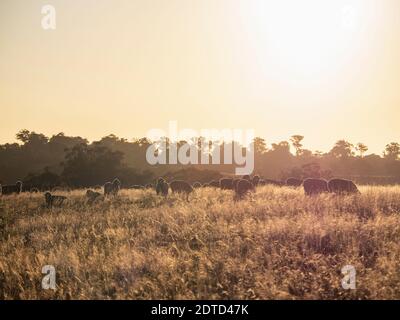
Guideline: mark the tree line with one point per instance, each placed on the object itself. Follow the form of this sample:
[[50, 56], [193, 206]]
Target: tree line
[[43, 161]]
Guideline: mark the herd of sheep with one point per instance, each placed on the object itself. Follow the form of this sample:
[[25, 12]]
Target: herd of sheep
[[240, 186]]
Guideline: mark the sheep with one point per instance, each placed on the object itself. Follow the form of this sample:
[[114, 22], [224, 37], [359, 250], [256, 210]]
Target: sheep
[[92, 195], [340, 186], [243, 186], [315, 186], [261, 182], [226, 184], [162, 187], [53, 200], [117, 184], [214, 183], [256, 180], [181, 186], [112, 188], [235, 182], [10, 189], [197, 185], [293, 182], [34, 190]]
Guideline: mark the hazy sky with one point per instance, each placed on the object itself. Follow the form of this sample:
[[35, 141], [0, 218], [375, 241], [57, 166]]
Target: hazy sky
[[323, 69]]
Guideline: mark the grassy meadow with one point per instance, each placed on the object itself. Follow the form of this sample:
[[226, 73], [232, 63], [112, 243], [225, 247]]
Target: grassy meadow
[[275, 244]]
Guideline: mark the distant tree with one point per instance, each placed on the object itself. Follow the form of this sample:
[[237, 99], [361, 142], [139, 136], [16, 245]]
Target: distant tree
[[361, 148], [306, 153], [311, 170], [296, 142], [44, 180], [142, 142], [318, 153], [392, 151], [260, 145], [31, 138], [282, 146], [86, 166], [342, 149]]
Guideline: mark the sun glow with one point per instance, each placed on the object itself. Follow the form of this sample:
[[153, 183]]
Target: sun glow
[[308, 39]]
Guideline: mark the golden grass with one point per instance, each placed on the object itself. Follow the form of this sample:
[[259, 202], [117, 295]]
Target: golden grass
[[275, 244]]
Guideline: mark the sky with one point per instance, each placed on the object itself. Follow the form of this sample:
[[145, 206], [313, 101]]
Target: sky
[[327, 70]]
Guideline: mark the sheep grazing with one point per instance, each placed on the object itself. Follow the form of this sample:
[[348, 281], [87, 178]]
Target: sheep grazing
[[162, 187], [235, 182], [112, 188], [243, 186], [226, 184], [294, 182], [11, 188], [341, 186], [214, 183], [92, 195], [315, 186], [181, 186], [197, 185], [52, 200], [256, 180], [261, 182]]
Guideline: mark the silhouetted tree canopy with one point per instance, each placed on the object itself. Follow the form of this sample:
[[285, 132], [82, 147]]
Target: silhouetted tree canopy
[[74, 161]]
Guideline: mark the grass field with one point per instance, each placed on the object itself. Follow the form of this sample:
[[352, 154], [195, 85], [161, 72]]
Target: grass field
[[275, 244]]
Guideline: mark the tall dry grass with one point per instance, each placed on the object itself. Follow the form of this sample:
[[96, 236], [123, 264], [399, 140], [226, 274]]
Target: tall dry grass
[[276, 244]]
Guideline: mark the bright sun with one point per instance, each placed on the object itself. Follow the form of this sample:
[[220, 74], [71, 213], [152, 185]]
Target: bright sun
[[308, 38]]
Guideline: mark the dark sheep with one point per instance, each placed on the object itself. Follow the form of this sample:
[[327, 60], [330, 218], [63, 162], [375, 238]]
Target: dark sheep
[[92, 195], [226, 184], [341, 186], [53, 200], [162, 187], [181, 186], [294, 182], [112, 188], [256, 180], [315, 186], [11, 188], [235, 182], [261, 182], [214, 183], [243, 186], [197, 185]]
